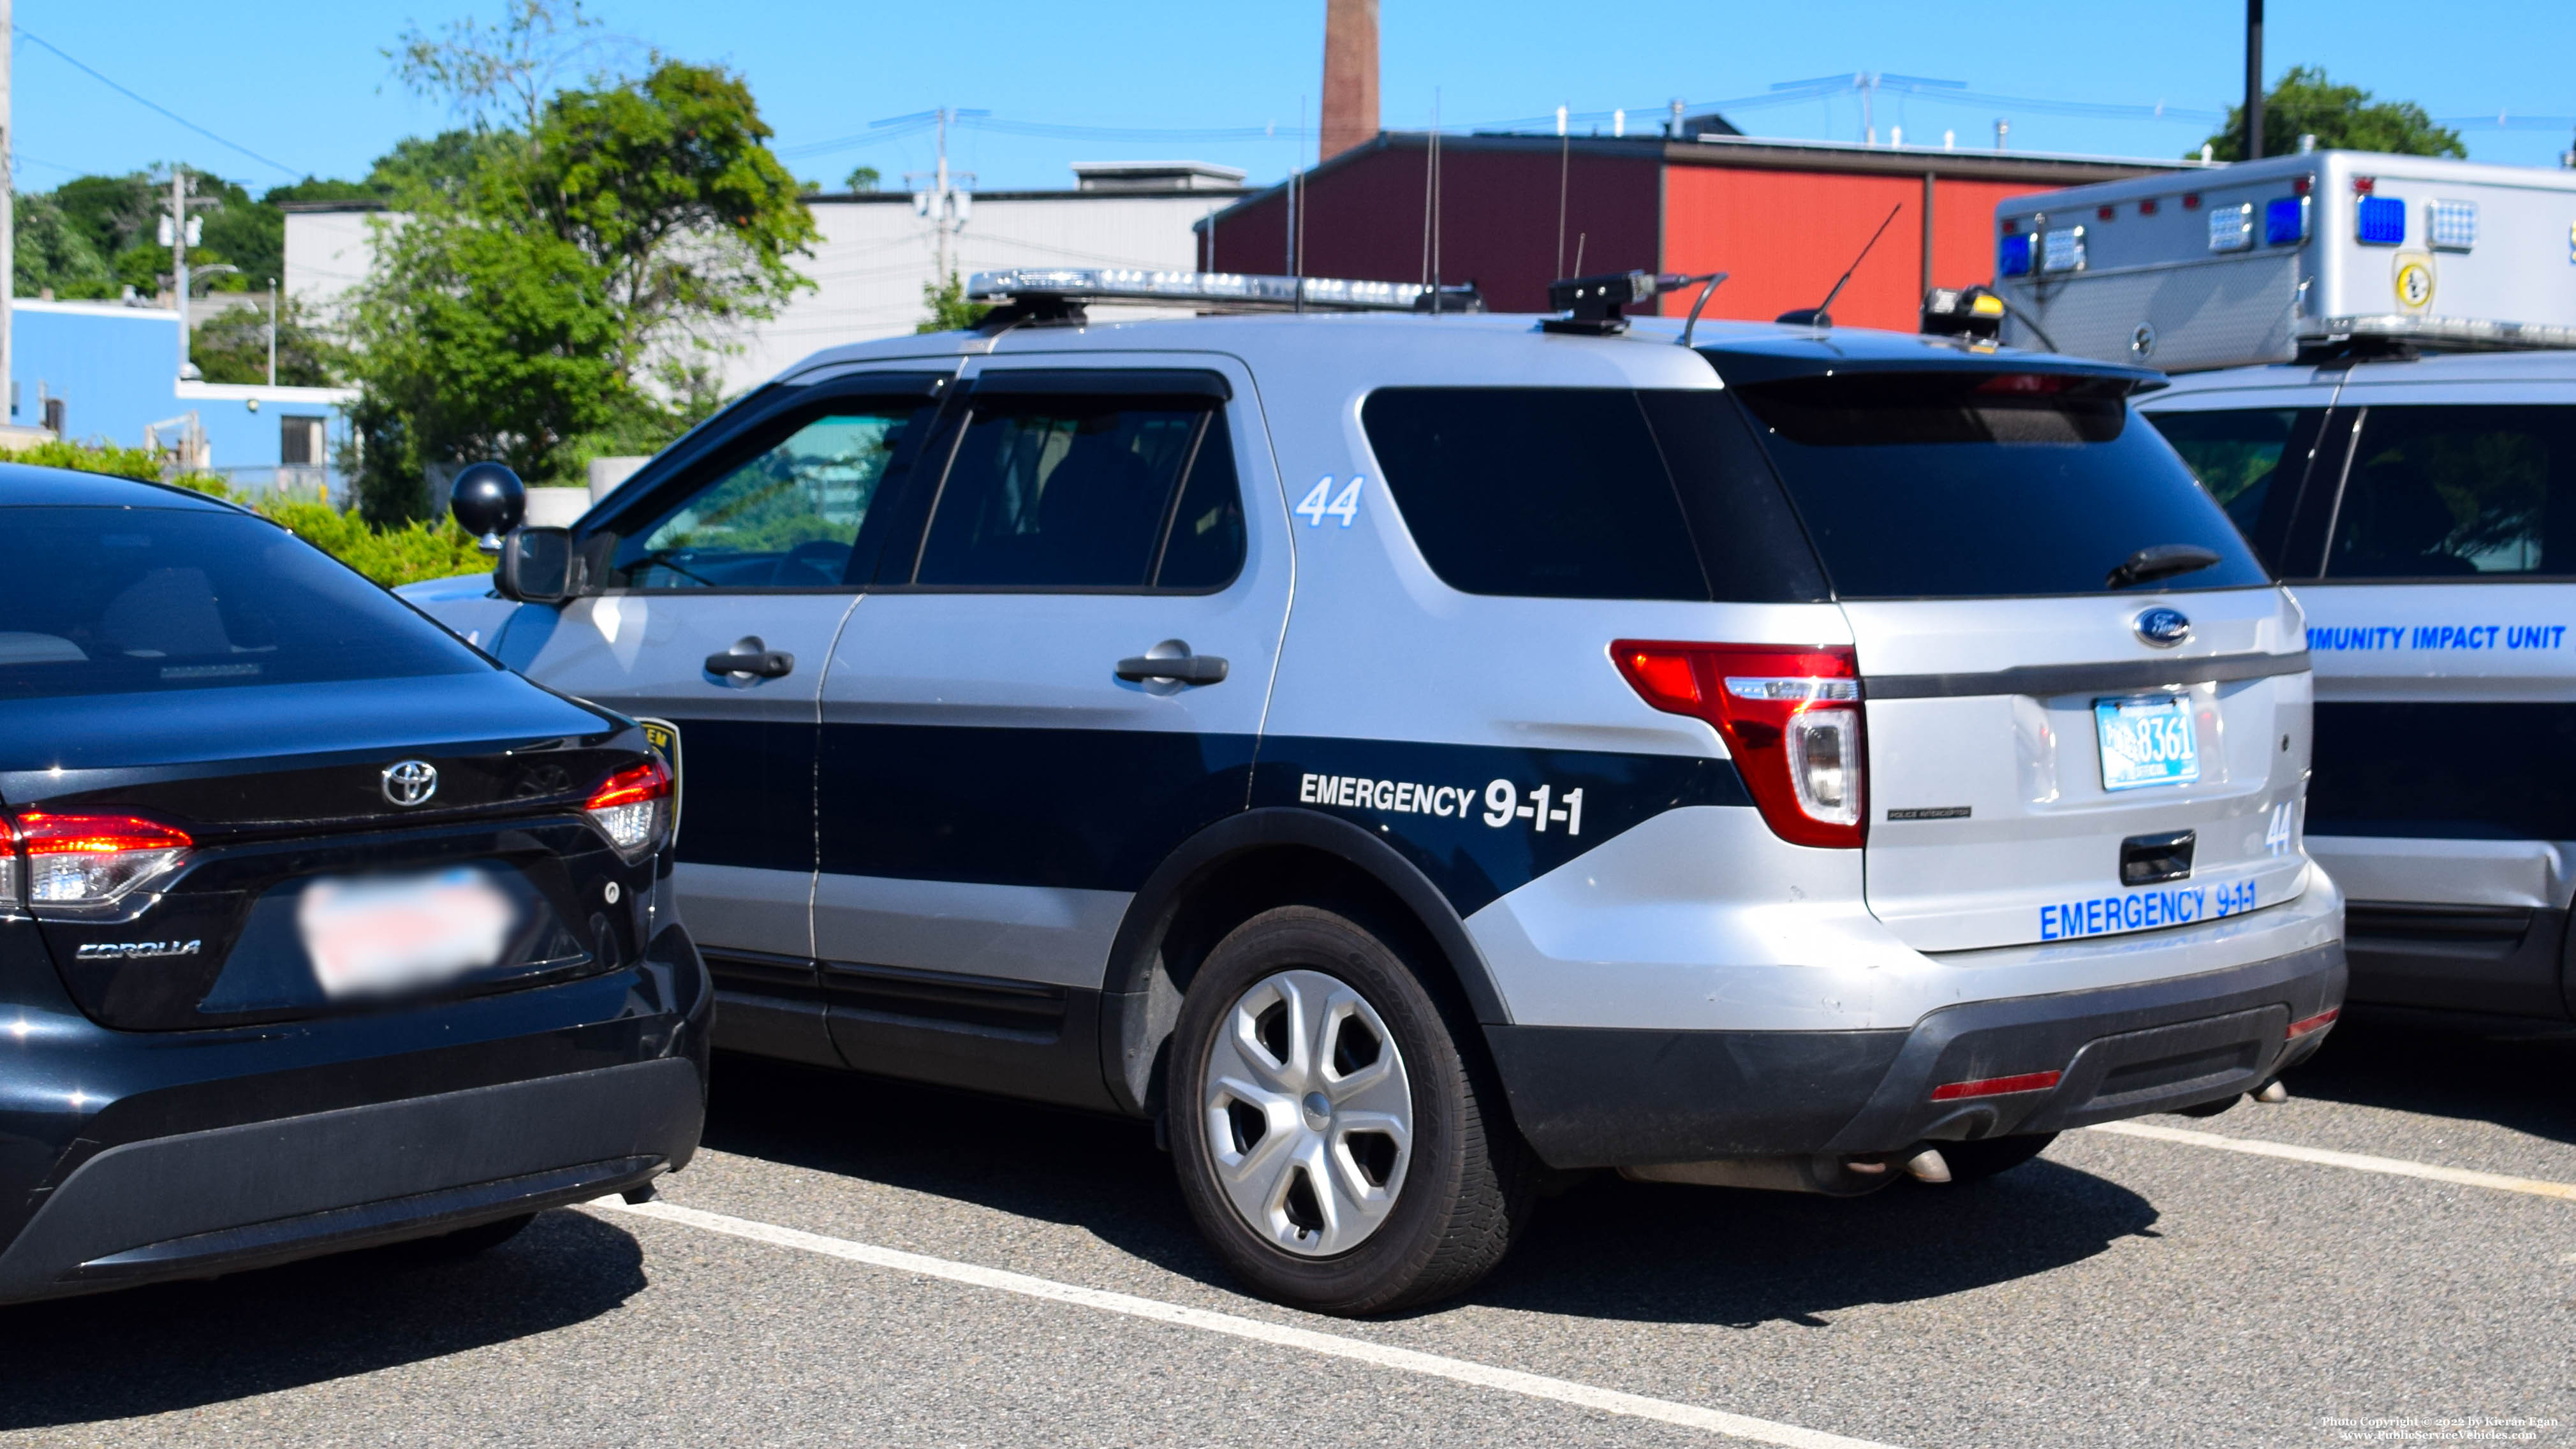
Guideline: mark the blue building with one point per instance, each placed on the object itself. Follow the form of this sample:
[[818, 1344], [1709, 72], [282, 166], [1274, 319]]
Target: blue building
[[106, 371]]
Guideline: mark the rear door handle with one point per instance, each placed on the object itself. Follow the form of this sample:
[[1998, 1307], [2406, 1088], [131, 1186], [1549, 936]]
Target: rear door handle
[[1184, 667], [749, 656]]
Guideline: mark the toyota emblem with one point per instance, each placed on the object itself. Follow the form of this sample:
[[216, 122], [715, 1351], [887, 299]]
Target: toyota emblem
[[2164, 628], [410, 782]]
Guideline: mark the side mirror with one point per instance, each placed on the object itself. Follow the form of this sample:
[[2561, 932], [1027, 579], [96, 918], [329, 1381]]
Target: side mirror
[[488, 501], [535, 566]]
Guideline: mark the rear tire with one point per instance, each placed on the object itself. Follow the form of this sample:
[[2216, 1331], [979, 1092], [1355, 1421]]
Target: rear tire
[[1338, 1138], [1976, 1161]]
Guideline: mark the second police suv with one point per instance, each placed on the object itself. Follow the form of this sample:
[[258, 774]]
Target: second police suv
[[1402, 754]]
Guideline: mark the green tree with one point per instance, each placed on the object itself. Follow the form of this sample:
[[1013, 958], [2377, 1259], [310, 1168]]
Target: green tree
[[53, 253], [668, 183], [565, 296], [863, 178], [949, 309], [2341, 117], [477, 339]]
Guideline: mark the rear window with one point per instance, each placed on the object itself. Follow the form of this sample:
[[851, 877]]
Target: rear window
[[125, 600], [2237, 454], [1975, 484], [1587, 493]]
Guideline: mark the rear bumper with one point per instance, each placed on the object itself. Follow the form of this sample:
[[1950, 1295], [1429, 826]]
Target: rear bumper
[[1593, 1097], [244, 1197], [132, 1156]]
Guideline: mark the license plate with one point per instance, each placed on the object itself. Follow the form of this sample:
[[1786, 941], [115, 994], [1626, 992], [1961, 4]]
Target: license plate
[[2148, 741], [378, 935]]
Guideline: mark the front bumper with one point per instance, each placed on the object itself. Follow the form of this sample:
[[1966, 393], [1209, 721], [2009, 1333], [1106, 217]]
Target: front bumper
[[127, 1157], [1607, 1097]]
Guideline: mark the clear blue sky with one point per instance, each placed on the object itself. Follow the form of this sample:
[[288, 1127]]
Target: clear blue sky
[[302, 82]]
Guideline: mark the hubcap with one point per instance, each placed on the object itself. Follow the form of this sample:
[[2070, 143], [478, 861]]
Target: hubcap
[[1309, 1113]]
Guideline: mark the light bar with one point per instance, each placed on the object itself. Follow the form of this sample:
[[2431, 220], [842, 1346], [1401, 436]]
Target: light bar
[[1232, 289]]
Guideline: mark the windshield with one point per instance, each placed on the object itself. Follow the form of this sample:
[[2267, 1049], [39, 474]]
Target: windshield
[[1982, 484], [122, 600]]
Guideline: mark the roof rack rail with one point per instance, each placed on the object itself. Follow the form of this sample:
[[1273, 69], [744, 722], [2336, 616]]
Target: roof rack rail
[[1057, 294]]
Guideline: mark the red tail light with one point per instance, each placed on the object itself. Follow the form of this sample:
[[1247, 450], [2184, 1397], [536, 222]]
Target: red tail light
[[90, 860], [1996, 1086], [2318, 1022], [1790, 717], [633, 808]]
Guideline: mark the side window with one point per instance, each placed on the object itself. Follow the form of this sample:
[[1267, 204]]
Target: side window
[[2237, 454], [1061, 491], [1553, 492], [2456, 492], [780, 508]]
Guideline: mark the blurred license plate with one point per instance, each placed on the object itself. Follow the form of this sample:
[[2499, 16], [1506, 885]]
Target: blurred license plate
[[2146, 741], [374, 935]]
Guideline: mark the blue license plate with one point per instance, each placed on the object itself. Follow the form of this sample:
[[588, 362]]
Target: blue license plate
[[2147, 741]]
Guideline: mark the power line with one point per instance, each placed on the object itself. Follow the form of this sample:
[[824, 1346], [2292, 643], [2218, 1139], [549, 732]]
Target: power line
[[67, 57]]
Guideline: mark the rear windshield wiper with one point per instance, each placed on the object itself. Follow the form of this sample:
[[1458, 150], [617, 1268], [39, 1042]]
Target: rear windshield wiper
[[2160, 561]]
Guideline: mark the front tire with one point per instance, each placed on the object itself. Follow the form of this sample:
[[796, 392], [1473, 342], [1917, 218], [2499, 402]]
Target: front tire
[[1335, 1142]]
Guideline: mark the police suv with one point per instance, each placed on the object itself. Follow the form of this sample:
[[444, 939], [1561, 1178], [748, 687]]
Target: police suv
[[1400, 754]]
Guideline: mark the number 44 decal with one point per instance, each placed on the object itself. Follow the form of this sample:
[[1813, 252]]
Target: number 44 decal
[[1345, 505]]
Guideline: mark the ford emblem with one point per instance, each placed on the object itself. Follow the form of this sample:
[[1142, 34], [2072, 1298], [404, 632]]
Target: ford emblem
[[2163, 628], [412, 782]]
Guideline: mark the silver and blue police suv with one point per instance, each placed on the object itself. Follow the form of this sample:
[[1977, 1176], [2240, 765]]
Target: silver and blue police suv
[[1397, 751], [2425, 511], [317, 928]]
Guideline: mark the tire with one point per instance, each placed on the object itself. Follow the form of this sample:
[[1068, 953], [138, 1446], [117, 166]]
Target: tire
[[1424, 1180], [1976, 1161], [467, 1242]]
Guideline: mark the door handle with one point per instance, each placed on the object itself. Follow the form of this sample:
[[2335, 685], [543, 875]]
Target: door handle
[[749, 656], [1180, 665]]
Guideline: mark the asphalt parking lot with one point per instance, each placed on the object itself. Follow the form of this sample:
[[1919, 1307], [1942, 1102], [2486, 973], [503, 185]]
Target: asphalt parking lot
[[2125, 1289]]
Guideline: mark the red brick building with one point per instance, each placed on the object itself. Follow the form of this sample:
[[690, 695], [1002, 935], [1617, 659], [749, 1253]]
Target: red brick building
[[1783, 217]]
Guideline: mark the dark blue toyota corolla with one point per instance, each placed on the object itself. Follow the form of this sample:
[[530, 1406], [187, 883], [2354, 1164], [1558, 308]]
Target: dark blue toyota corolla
[[318, 929]]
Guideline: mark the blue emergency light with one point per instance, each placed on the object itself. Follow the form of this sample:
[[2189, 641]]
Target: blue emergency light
[[2379, 221], [2285, 221], [2012, 257]]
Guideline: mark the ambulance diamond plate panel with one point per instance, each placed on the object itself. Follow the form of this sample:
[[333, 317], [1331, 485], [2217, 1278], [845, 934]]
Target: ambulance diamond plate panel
[[2213, 314]]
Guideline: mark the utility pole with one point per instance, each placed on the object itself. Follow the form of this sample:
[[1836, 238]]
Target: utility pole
[[2253, 80], [8, 225], [945, 206], [272, 320], [179, 255]]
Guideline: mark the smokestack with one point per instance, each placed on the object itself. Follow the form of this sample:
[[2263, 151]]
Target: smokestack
[[1350, 75]]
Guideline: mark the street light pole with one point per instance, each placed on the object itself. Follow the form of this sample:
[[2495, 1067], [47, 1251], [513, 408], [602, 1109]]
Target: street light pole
[[2253, 80], [179, 255]]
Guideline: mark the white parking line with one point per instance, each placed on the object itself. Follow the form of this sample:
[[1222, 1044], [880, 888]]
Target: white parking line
[[1457, 1370], [2358, 1162]]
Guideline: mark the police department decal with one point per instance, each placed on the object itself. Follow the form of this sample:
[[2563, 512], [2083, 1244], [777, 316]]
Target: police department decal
[[1498, 804]]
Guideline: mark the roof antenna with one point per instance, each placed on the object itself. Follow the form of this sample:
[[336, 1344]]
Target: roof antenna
[[1817, 316], [1713, 279]]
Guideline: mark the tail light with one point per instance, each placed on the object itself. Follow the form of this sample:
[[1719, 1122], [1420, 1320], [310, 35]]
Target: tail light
[[91, 860], [633, 808], [2316, 1023], [1789, 716]]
